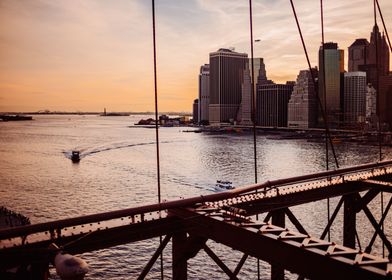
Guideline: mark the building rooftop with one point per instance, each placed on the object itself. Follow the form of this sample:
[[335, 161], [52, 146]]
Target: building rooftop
[[360, 42]]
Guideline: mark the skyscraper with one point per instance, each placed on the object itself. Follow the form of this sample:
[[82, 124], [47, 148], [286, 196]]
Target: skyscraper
[[332, 63], [358, 54], [226, 77], [302, 107], [385, 103], [378, 45], [271, 104], [204, 93], [355, 88], [245, 112], [363, 56], [195, 111]]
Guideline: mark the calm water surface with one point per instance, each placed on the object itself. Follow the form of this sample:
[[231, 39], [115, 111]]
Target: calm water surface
[[118, 170]]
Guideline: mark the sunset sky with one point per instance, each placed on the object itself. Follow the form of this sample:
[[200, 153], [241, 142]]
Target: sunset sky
[[84, 55]]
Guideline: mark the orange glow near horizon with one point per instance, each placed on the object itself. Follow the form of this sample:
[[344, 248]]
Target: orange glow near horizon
[[84, 56]]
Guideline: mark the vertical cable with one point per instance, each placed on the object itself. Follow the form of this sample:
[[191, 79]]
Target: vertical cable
[[314, 82], [324, 84], [378, 109], [156, 118], [325, 105], [383, 23], [253, 101], [382, 224], [377, 83], [253, 105]]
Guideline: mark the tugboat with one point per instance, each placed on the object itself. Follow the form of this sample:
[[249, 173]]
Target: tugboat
[[223, 185], [75, 156]]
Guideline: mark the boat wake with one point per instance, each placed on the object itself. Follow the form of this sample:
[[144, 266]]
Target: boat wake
[[84, 152]]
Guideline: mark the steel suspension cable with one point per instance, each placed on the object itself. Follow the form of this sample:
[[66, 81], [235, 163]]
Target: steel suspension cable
[[324, 115], [325, 106], [378, 108], [253, 100], [378, 83], [253, 106], [156, 119], [383, 23]]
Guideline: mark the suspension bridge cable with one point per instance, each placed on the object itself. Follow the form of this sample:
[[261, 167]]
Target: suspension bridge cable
[[253, 100], [377, 81], [378, 106], [324, 84], [324, 115], [325, 106], [156, 118], [253, 105], [383, 23]]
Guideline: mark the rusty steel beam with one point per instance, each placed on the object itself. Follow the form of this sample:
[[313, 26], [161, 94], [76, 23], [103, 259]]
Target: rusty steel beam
[[378, 230], [366, 199], [298, 253], [349, 220], [188, 202], [219, 262], [278, 219], [154, 257], [101, 239], [240, 264], [184, 248], [369, 247], [380, 184], [295, 221], [267, 204], [333, 217]]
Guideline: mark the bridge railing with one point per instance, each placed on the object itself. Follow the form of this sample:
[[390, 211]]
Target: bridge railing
[[188, 202]]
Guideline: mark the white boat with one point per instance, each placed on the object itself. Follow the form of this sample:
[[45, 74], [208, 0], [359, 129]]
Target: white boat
[[223, 185]]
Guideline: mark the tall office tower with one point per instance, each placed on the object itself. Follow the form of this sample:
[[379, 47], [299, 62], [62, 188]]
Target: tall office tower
[[271, 104], [355, 88], [226, 77], [196, 111], [260, 72], [302, 107], [204, 93], [245, 112], [385, 103], [332, 63], [379, 45], [358, 54]]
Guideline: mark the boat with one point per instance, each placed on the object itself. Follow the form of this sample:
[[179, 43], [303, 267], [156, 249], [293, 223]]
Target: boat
[[223, 185], [75, 156], [6, 118]]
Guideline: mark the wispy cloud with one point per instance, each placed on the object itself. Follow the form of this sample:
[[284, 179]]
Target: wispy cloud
[[101, 51]]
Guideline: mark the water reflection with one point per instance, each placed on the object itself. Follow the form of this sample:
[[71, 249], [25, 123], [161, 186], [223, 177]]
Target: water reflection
[[120, 171]]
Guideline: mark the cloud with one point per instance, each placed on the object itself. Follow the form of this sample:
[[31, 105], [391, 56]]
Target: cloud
[[88, 50]]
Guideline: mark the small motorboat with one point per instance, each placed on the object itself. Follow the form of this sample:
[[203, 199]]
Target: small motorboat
[[223, 185], [75, 156]]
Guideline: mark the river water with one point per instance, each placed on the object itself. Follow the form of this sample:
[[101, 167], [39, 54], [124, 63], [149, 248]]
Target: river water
[[118, 170]]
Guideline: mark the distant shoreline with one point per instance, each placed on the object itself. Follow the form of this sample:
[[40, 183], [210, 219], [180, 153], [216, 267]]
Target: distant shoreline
[[95, 113]]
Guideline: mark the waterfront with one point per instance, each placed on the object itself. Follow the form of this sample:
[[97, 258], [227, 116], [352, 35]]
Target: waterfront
[[118, 170]]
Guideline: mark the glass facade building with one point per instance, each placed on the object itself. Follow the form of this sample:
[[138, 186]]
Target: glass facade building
[[226, 78]]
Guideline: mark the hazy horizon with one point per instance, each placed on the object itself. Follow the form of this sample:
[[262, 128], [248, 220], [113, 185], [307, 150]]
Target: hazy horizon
[[86, 55]]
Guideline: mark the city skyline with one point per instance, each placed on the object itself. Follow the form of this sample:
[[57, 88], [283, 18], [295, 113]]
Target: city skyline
[[86, 56]]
